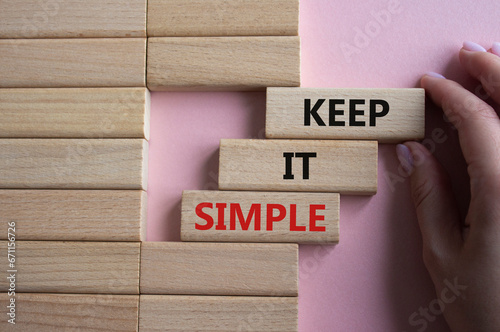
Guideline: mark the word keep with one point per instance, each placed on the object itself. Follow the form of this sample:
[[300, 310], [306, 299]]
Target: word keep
[[377, 108]]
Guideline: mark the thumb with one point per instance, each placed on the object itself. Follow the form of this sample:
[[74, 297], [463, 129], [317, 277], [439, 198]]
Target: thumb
[[435, 205]]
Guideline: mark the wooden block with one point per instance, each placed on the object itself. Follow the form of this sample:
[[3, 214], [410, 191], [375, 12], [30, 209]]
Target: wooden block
[[71, 312], [75, 113], [277, 217], [75, 215], [346, 167], [195, 18], [386, 115], [72, 19], [232, 63], [74, 267], [217, 313], [57, 63], [73, 163], [219, 269]]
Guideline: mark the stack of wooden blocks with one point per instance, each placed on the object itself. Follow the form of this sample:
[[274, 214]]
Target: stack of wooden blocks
[[74, 125]]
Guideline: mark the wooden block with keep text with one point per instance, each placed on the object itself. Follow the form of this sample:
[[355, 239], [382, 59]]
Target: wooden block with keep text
[[74, 215], [182, 268], [218, 313], [73, 163], [59, 63], [195, 18], [72, 267], [245, 216], [72, 18], [346, 167], [385, 115], [222, 63], [69, 312], [75, 113]]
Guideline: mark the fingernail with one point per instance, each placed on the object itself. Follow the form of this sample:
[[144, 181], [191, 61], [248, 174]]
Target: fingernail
[[473, 47], [405, 158], [433, 74], [495, 49]]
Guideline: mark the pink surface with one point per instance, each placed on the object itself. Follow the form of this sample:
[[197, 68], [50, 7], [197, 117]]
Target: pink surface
[[374, 280]]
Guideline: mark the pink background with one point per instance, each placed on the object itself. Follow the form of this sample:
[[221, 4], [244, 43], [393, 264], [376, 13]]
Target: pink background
[[375, 278]]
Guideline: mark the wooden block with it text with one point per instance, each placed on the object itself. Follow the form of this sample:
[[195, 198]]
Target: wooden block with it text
[[228, 63], [75, 113], [74, 215], [72, 63], [345, 167], [385, 115], [195, 18], [73, 163], [73, 267], [72, 19], [182, 268], [70, 312], [218, 313], [245, 216]]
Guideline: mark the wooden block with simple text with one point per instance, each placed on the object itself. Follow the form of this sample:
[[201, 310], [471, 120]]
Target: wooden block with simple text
[[72, 267], [70, 312], [195, 18], [222, 63], [74, 215], [227, 216], [385, 115], [218, 313], [182, 268], [75, 113], [58, 63], [72, 19], [73, 163], [346, 167]]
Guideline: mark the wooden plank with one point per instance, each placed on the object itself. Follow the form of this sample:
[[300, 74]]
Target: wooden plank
[[58, 63], [74, 215], [218, 313], [72, 19], [233, 63], [386, 115], [239, 216], [219, 269], [73, 163], [195, 18], [74, 267], [71, 312], [75, 113], [346, 167]]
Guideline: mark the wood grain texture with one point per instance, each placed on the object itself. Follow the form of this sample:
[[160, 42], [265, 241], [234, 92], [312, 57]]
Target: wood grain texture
[[72, 19], [74, 267], [287, 113], [75, 113], [73, 163], [58, 63], [346, 167], [222, 63], [218, 313], [219, 269], [244, 210], [195, 18], [72, 312], [74, 215]]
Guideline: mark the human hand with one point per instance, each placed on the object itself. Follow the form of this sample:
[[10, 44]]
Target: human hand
[[463, 254]]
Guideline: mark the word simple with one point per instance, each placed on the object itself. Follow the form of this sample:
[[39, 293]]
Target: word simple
[[260, 216]]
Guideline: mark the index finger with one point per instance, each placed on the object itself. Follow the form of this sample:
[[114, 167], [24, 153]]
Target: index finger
[[477, 123]]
